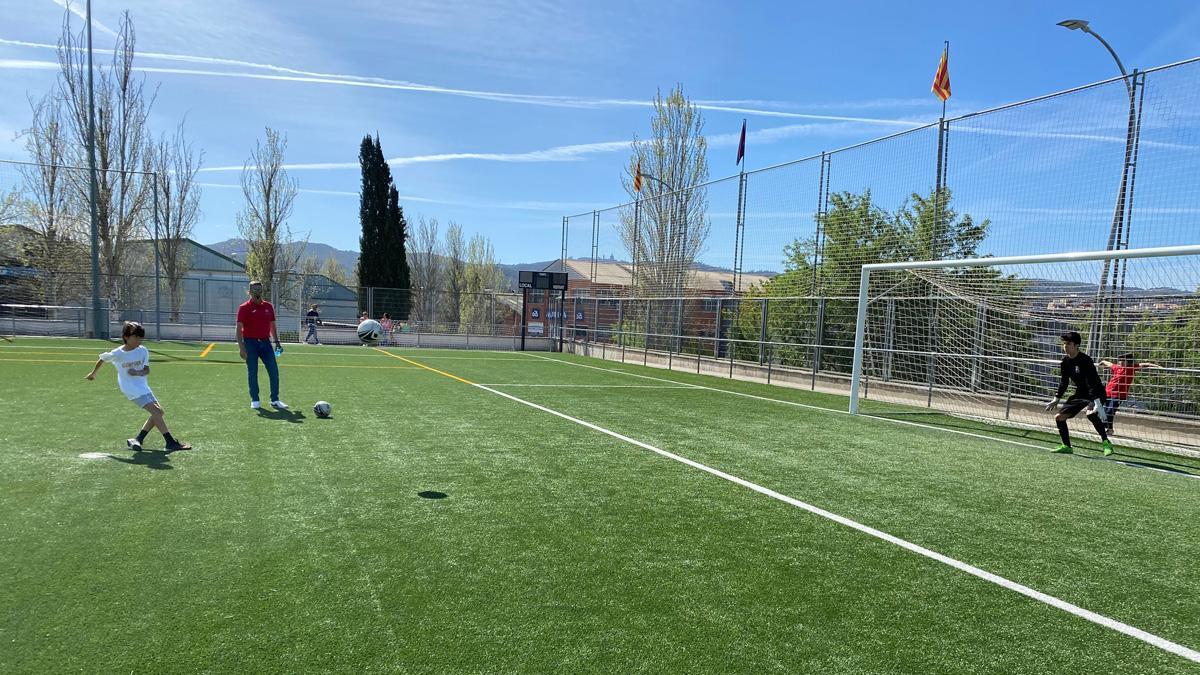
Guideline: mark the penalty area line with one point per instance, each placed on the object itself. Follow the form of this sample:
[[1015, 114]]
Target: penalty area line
[[1088, 615]]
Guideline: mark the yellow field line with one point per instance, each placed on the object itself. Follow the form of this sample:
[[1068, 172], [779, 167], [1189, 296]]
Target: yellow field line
[[207, 349], [422, 365]]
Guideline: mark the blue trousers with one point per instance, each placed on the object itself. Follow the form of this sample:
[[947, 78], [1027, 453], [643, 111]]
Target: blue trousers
[[1110, 409], [261, 349], [312, 333]]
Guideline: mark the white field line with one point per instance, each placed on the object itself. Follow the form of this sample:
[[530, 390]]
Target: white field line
[[959, 432], [1112, 624], [585, 386]]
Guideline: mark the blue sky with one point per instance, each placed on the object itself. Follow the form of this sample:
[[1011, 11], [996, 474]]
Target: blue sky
[[506, 115]]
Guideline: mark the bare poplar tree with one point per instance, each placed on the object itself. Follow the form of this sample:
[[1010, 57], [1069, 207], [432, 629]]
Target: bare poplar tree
[[482, 277], [49, 208], [426, 269], [333, 270], [122, 142], [667, 229], [455, 272], [272, 253], [175, 164]]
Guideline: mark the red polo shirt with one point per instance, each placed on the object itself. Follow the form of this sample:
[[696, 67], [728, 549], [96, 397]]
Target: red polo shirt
[[256, 318]]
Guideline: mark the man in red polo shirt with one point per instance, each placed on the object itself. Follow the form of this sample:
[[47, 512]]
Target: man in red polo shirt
[[255, 330]]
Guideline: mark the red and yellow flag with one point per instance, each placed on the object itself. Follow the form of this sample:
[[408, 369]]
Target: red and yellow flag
[[637, 178], [941, 80]]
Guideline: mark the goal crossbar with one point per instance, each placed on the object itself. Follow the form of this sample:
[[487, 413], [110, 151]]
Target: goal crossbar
[[1078, 256]]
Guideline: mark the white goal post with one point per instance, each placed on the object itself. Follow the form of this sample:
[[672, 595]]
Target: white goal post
[[958, 291]]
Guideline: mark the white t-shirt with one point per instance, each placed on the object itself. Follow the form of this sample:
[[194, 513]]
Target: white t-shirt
[[133, 386]]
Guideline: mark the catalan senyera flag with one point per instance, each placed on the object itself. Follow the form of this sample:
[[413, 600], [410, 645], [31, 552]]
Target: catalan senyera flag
[[941, 79], [637, 178]]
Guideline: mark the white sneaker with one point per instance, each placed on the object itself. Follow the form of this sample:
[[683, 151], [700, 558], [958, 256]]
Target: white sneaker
[[255, 405], [279, 405]]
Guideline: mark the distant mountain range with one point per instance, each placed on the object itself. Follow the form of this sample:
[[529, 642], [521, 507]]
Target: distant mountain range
[[236, 249]]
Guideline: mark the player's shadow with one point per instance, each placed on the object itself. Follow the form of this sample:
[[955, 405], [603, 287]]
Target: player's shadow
[[293, 416], [151, 459]]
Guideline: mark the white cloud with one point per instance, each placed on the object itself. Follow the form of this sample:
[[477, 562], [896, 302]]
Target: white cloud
[[576, 152], [287, 74], [77, 11]]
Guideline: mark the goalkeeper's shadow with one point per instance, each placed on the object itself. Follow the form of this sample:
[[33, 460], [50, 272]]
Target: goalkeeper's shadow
[[941, 420]]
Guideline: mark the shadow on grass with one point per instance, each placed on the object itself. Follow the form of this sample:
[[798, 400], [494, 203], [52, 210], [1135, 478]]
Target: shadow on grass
[[151, 459], [1146, 459], [432, 494], [293, 416]]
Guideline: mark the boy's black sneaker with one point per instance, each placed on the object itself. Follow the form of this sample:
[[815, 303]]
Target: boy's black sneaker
[[178, 445], [134, 444]]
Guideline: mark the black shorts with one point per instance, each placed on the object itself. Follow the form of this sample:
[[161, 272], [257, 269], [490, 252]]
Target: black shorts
[[1073, 405]]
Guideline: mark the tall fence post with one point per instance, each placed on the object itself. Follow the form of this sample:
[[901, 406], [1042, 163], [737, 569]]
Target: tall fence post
[[595, 242], [739, 236], [679, 325], [820, 341], [717, 332], [977, 344], [157, 263], [646, 339], [889, 337], [562, 261], [621, 326], [762, 331], [932, 347]]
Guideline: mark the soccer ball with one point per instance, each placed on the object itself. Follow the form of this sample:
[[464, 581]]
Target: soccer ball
[[369, 331], [322, 409]]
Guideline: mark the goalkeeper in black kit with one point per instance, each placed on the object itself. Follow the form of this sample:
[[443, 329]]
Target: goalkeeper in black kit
[[1089, 394]]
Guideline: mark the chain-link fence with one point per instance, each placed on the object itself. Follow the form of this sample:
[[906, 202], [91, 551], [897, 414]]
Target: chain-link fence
[[771, 293], [205, 308], [1114, 164]]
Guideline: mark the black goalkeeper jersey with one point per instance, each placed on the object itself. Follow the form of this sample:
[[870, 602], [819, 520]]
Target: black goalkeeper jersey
[[1082, 371]]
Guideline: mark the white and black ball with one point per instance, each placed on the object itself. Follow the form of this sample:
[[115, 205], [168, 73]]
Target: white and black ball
[[369, 331], [322, 409]]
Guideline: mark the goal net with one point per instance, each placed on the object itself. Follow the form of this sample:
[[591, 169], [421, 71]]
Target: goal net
[[980, 338]]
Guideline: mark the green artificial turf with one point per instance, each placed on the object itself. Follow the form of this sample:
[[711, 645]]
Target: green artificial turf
[[430, 525]]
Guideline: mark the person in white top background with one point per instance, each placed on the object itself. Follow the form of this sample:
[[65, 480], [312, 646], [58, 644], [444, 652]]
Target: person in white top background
[[132, 362]]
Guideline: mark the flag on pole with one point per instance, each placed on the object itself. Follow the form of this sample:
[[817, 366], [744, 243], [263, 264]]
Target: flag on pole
[[742, 144], [637, 178], [941, 80]]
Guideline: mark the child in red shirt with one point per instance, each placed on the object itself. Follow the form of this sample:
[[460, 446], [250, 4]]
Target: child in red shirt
[[1120, 382]]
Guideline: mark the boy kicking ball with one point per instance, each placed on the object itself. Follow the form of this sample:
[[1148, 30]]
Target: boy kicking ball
[[132, 362]]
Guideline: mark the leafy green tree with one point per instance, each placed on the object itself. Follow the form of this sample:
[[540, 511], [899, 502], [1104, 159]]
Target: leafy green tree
[[814, 301]]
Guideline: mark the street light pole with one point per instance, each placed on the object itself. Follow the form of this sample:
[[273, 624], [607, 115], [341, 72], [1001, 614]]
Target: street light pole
[[682, 251], [679, 272], [1119, 229]]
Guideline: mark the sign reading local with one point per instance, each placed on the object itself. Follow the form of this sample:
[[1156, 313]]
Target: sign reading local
[[552, 281]]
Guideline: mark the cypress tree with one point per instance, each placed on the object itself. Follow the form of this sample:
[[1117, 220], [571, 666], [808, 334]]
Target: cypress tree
[[383, 259]]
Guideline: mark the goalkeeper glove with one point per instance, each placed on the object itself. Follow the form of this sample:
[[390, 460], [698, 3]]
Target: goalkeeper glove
[[1052, 404], [1098, 409]]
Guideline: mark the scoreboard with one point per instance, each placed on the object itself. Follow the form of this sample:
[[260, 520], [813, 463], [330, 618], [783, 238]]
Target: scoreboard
[[551, 281]]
